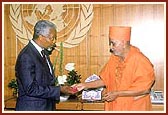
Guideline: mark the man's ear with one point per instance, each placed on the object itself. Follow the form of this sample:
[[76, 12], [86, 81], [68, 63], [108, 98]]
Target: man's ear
[[124, 43], [40, 37]]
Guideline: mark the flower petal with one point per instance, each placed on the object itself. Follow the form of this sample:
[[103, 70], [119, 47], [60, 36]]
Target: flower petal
[[61, 79], [70, 66]]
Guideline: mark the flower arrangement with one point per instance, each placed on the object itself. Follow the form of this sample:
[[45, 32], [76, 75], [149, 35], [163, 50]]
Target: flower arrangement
[[72, 76]]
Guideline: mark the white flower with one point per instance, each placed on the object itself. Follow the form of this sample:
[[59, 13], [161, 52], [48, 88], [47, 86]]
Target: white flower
[[62, 79], [70, 66]]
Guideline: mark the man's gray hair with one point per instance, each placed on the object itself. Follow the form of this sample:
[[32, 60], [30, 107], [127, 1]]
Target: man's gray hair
[[42, 27]]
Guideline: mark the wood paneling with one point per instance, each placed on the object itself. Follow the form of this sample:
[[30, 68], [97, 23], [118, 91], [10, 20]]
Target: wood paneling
[[93, 52]]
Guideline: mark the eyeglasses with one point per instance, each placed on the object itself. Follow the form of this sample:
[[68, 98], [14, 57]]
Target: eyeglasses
[[52, 38], [114, 43]]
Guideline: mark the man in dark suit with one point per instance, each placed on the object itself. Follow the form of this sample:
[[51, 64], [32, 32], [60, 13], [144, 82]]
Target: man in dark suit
[[34, 72]]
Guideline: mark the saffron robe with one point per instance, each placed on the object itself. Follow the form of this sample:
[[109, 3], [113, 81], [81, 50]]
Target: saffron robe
[[135, 73]]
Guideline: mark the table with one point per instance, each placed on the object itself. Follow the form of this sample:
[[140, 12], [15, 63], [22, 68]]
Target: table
[[76, 105]]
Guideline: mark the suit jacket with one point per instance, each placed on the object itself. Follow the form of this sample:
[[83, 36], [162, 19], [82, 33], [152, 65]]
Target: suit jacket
[[35, 82]]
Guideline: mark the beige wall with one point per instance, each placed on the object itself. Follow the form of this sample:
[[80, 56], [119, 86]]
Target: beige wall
[[148, 33]]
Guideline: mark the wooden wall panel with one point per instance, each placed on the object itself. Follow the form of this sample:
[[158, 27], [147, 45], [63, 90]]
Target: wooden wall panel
[[93, 52]]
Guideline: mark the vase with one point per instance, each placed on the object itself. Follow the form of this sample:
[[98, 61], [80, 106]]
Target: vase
[[64, 98]]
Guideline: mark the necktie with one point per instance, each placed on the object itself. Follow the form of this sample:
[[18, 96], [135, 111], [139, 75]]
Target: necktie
[[44, 56], [45, 60]]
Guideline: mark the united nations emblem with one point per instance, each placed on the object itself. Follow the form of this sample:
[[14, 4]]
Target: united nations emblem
[[73, 21]]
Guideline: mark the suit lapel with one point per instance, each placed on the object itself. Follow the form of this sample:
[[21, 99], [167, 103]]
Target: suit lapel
[[50, 65], [35, 52]]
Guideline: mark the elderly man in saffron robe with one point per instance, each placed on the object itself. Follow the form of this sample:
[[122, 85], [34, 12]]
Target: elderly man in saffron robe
[[128, 75]]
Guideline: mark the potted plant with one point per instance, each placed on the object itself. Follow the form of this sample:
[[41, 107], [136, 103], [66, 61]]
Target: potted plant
[[13, 85]]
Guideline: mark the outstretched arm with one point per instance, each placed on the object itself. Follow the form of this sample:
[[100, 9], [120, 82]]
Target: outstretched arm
[[88, 85]]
